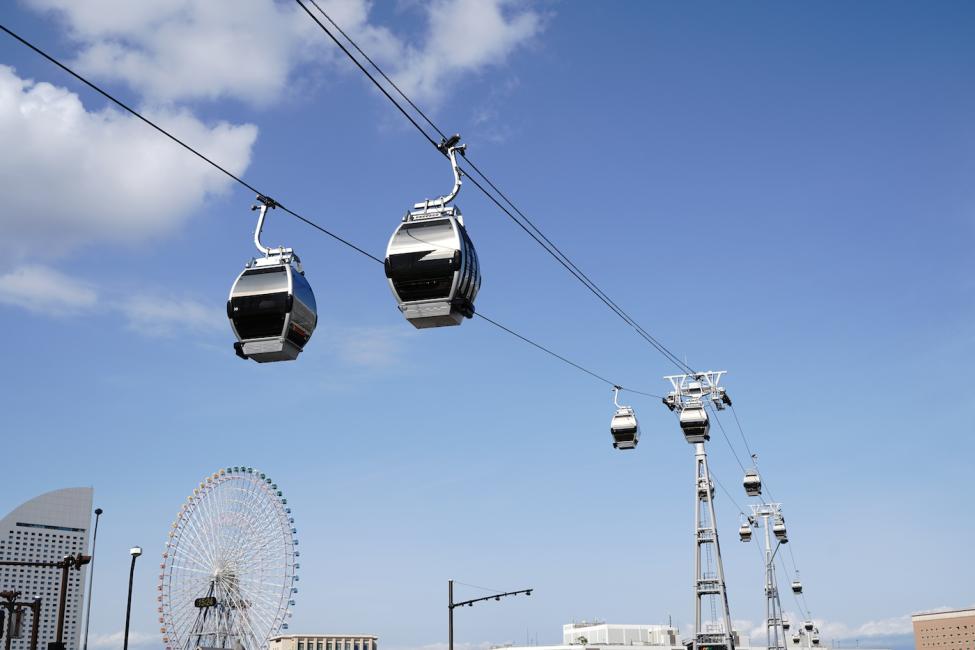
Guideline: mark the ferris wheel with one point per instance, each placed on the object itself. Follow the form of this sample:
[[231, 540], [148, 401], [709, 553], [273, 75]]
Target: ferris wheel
[[227, 579]]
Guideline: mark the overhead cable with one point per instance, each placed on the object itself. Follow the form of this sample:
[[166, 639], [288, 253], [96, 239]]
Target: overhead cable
[[531, 229], [294, 214]]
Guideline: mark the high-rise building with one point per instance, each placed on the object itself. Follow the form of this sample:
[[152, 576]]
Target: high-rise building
[[954, 630], [45, 529]]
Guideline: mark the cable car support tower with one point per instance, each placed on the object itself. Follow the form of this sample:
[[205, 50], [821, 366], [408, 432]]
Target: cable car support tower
[[774, 524], [688, 399]]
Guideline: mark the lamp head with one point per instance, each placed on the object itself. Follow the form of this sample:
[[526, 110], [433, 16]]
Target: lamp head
[[98, 511], [135, 551]]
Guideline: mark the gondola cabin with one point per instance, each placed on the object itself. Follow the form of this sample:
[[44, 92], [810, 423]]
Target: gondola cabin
[[695, 425], [778, 529], [432, 267], [752, 482], [624, 428], [745, 533], [272, 310], [796, 586]]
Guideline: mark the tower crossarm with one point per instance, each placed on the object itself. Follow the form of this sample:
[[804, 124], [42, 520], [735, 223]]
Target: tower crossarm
[[692, 389]]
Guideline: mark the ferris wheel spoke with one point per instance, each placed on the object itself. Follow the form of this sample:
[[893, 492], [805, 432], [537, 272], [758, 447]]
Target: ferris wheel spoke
[[196, 536], [234, 536], [196, 531], [244, 615]]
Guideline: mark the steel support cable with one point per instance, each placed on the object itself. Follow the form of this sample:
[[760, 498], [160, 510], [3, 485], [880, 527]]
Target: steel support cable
[[180, 142], [804, 610], [544, 241], [298, 216], [725, 490], [726, 439]]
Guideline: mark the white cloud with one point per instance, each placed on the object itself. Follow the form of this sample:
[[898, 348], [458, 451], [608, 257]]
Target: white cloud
[[42, 289], [893, 626], [50, 292], [158, 316], [114, 640], [483, 645], [71, 177], [464, 36], [185, 50]]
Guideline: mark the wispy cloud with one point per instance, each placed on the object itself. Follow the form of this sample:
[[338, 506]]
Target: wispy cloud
[[368, 347], [43, 289], [483, 645], [114, 640], [161, 316]]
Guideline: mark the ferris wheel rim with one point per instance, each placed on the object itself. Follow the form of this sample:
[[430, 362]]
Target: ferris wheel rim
[[233, 542]]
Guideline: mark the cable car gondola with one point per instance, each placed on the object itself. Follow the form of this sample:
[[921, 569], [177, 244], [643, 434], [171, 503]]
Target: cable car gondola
[[745, 532], [431, 264], [809, 626], [785, 624], [796, 585], [695, 425], [778, 529], [752, 482], [624, 426], [271, 306]]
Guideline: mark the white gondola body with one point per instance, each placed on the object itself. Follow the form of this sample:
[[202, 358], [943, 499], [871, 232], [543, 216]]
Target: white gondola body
[[745, 533], [796, 587], [432, 268], [625, 429], [752, 483], [272, 310], [695, 424], [778, 529]]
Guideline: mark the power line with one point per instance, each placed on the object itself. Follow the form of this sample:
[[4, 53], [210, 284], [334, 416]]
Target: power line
[[540, 238]]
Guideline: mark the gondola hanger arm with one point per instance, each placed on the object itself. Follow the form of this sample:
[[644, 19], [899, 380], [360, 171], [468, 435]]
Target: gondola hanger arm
[[449, 147], [265, 203]]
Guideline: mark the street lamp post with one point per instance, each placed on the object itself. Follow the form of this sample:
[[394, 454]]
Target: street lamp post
[[135, 552], [35, 620], [91, 576], [470, 603]]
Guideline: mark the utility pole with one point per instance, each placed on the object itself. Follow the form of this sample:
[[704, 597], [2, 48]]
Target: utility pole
[[69, 562], [15, 610], [689, 399], [65, 565], [470, 603]]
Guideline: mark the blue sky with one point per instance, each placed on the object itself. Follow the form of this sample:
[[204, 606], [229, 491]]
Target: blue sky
[[782, 191]]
